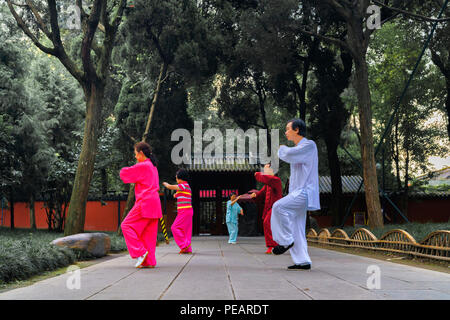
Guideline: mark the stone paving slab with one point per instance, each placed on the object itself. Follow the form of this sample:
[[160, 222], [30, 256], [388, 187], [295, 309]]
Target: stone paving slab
[[221, 271]]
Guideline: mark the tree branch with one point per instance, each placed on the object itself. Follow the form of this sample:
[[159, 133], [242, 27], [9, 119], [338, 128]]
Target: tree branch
[[56, 36], [439, 63], [339, 8], [119, 14], [110, 32], [83, 13], [91, 27], [410, 14], [157, 45], [335, 41], [27, 31], [60, 52], [41, 23]]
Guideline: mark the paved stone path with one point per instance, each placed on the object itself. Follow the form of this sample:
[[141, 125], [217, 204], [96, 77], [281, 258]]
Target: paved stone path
[[220, 271]]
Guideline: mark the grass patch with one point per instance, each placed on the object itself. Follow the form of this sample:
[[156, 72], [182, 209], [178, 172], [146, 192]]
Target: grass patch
[[25, 253]]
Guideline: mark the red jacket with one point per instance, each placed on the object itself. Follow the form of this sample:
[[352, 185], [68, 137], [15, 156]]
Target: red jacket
[[271, 192]]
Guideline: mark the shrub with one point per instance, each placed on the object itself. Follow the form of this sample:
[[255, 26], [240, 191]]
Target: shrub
[[25, 253]]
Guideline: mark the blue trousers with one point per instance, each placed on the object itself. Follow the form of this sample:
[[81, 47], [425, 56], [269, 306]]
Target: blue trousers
[[232, 231]]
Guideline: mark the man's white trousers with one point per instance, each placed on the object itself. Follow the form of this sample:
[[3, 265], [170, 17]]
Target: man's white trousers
[[288, 224]]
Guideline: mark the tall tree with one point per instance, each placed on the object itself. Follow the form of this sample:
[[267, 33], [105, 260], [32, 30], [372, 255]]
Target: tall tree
[[440, 55], [13, 105], [329, 115], [416, 134], [59, 100], [355, 16], [170, 41], [92, 75]]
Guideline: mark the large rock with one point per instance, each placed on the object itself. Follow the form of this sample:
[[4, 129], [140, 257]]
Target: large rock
[[98, 244]]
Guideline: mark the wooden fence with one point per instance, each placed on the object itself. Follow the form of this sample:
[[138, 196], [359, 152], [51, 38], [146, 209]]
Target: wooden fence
[[435, 246]]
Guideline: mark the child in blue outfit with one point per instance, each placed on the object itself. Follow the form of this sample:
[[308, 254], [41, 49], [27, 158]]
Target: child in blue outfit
[[233, 209]]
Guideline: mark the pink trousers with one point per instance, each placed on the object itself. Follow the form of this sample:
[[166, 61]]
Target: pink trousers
[[182, 228], [140, 235]]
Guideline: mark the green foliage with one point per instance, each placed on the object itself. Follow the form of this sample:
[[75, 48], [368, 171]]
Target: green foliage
[[131, 116], [417, 129], [229, 63], [24, 254], [13, 101], [108, 162]]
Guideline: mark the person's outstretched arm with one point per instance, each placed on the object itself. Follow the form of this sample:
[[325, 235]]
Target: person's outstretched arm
[[298, 154], [171, 186], [131, 174], [235, 200], [266, 179]]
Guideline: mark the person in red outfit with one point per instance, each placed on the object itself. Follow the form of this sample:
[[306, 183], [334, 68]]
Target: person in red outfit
[[271, 192]]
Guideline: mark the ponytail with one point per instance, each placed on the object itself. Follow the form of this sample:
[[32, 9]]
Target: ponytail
[[147, 151]]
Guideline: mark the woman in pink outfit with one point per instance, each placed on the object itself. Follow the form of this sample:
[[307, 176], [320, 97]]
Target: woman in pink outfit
[[140, 227], [182, 226]]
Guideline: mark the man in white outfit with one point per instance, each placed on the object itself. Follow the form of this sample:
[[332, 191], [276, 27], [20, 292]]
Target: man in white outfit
[[289, 213]]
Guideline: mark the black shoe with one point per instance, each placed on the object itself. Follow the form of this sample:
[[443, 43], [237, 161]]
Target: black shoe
[[300, 267], [281, 249]]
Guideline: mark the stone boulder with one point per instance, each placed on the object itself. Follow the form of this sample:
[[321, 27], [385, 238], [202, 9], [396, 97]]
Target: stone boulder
[[97, 244]]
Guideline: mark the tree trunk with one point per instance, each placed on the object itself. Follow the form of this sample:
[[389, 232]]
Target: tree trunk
[[367, 146], [11, 210], [397, 155], [405, 194], [444, 67], [104, 177], [131, 197], [130, 203], [302, 93], [32, 213], [77, 207], [336, 183], [447, 106], [162, 74]]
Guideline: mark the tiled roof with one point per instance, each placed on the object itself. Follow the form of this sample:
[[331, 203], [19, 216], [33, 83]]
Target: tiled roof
[[223, 165], [350, 184]]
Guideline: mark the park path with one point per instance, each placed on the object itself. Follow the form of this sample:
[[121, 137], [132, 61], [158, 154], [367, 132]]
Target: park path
[[220, 271]]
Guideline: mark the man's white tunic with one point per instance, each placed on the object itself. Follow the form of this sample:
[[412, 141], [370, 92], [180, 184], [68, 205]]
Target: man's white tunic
[[289, 213]]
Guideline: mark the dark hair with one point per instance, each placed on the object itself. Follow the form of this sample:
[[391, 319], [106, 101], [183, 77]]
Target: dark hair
[[147, 151], [232, 194], [182, 174], [300, 125]]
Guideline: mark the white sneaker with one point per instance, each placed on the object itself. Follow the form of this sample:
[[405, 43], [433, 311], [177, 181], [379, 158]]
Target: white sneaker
[[141, 259]]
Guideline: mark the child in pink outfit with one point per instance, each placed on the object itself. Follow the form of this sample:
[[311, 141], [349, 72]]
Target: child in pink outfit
[[182, 226], [140, 227]]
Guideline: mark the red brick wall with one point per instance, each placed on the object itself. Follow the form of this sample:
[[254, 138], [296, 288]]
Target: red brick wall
[[105, 218], [98, 217]]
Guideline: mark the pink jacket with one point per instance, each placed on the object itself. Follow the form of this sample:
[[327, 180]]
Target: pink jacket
[[146, 179]]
